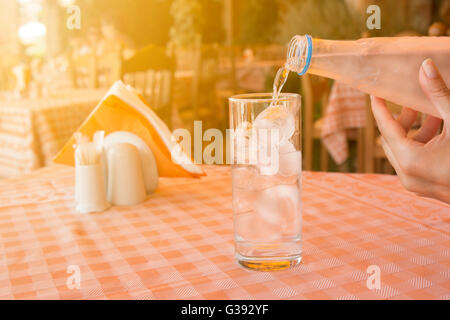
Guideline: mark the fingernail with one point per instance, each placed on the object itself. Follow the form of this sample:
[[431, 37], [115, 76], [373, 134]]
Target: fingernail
[[430, 69]]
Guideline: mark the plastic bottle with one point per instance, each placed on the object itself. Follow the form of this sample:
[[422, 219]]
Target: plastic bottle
[[384, 67]]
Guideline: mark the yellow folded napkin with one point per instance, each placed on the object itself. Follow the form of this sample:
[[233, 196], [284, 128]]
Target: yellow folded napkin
[[122, 109]]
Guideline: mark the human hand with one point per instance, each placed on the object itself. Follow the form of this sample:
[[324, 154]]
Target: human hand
[[422, 160]]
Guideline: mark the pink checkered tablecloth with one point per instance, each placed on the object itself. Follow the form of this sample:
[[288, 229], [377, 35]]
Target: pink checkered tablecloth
[[33, 130], [178, 244], [346, 110]]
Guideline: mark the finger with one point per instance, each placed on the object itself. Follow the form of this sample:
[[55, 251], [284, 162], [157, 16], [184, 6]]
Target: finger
[[409, 182], [407, 118], [390, 156], [390, 129], [435, 88], [428, 130]]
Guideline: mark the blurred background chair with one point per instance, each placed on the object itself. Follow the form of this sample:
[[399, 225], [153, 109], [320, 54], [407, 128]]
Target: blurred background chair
[[227, 59], [268, 52], [315, 93], [333, 116], [204, 95], [151, 72], [108, 68], [205, 99], [84, 70]]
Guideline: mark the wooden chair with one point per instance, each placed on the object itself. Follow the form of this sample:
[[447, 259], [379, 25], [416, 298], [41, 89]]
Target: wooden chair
[[314, 90], [268, 52], [92, 70], [84, 70], [6, 78], [186, 55], [108, 68], [151, 72], [227, 57], [3, 78], [204, 94], [204, 104], [372, 145]]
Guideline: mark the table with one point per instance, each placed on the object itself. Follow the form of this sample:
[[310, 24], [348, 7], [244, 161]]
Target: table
[[32, 131], [178, 244], [346, 109]]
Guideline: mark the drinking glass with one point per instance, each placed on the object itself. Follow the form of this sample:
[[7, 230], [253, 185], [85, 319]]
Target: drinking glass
[[265, 147]]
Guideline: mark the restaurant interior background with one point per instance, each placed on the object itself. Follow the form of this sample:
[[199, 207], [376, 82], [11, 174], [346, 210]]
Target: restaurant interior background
[[187, 57]]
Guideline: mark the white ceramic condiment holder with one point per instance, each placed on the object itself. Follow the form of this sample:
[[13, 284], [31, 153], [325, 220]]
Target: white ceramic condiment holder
[[126, 184]]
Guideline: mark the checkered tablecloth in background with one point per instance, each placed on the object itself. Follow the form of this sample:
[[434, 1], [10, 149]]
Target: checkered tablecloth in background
[[179, 243], [32, 131], [346, 110]]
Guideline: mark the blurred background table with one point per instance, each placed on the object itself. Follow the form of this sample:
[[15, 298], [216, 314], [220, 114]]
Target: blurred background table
[[33, 130], [178, 244]]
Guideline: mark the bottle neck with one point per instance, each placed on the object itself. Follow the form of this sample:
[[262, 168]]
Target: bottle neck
[[299, 54]]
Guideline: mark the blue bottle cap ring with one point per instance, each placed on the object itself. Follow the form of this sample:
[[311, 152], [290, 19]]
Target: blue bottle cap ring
[[308, 55]]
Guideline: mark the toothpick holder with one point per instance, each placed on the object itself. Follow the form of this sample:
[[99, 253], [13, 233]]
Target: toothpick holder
[[90, 192]]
